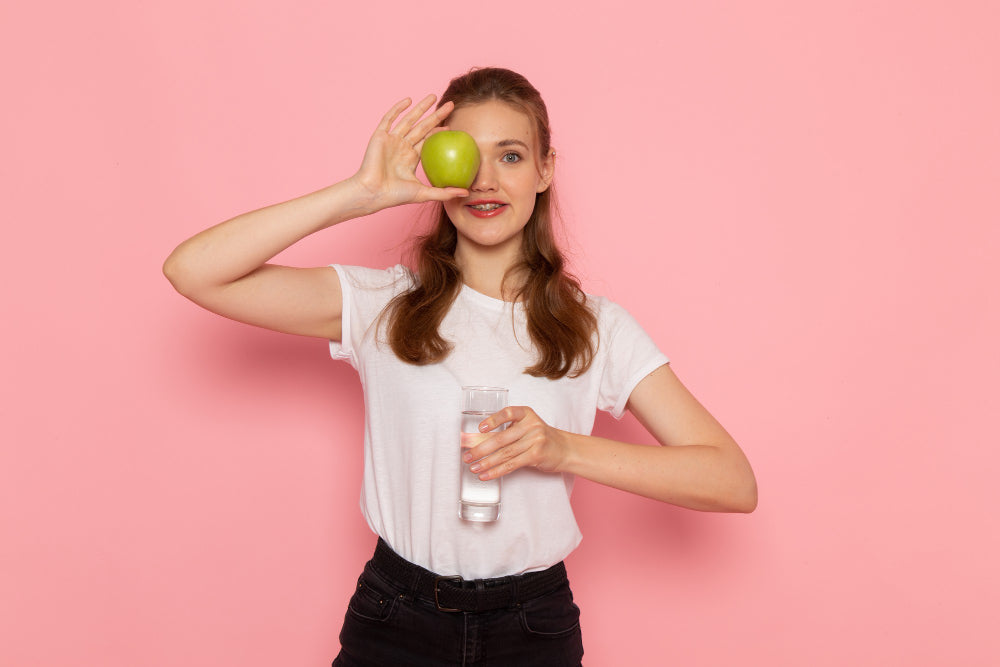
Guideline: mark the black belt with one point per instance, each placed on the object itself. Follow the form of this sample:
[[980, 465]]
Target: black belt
[[452, 593]]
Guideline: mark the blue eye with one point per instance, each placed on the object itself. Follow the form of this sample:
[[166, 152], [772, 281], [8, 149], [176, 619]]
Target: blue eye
[[511, 158]]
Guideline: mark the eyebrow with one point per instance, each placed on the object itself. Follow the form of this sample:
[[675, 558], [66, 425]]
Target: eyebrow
[[513, 142]]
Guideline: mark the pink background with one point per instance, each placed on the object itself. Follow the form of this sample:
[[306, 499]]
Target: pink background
[[799, 202]]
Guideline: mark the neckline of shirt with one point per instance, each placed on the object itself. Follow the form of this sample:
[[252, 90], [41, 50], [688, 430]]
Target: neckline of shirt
[[486, 300]]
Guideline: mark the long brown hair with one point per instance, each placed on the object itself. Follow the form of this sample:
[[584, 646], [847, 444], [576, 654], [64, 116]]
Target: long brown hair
[[560, 322]]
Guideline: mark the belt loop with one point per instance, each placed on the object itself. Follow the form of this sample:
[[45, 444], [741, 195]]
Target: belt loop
[[515, 600], [415, 587], [480, 589]]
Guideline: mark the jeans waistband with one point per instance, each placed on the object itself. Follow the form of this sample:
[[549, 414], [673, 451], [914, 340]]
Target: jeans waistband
[[452, 593]]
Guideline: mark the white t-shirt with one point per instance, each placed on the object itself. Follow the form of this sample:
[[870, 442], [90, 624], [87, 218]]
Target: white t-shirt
[[412, 422]]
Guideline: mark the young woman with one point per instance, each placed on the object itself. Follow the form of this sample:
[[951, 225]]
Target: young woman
[[488, 304]]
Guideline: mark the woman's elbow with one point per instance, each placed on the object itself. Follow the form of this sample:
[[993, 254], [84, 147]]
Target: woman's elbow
[[746, 501], [742, 496], [171, 270], [742, 486], [738, 494], [178, 271]]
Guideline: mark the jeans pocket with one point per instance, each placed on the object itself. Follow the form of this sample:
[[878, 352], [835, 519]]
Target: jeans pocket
[[553, 615], [373, 600]]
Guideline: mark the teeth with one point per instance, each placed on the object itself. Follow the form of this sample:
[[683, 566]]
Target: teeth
[[486, 207]]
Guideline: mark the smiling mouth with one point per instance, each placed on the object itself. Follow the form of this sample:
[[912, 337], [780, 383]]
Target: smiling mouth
[[485, 209]]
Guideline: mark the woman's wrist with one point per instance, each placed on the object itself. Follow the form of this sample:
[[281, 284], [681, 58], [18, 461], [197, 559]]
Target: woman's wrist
[[570, 447], [351, 199]]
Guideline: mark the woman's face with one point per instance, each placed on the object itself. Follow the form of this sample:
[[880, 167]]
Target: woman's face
[[511, 173]]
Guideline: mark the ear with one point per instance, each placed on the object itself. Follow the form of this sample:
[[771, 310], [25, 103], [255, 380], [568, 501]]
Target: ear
[[547, 170]]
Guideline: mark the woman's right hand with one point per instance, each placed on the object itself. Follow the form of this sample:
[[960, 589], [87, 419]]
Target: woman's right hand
[[388, 170]]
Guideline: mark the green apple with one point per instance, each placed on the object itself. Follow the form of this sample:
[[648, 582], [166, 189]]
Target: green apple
[[450, 159]]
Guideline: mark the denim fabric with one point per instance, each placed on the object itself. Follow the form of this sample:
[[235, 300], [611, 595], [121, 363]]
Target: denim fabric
[[386, 626]]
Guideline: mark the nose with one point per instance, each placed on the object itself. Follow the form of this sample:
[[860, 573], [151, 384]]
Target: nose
[[485, 180]]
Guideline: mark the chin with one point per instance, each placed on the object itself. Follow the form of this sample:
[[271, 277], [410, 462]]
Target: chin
[[491, 240]]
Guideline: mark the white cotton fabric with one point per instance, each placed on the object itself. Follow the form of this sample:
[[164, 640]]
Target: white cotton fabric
[[412, 421]]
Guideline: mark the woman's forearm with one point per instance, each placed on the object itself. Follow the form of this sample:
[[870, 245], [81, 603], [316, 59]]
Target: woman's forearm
[[701, 477], [230, 250]]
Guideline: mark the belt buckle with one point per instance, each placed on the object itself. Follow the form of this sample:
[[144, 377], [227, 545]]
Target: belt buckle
[[437, 581]]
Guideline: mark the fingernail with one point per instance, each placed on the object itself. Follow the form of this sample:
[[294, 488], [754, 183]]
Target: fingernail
[[484, 427], [476, 467], [467, 457]]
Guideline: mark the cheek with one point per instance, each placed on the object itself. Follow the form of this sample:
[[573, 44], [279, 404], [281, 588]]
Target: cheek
[[526, 205], [526, 187], [451, 208]]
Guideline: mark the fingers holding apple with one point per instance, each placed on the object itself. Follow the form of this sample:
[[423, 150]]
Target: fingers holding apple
[[418, 131], [400, 124], [388, 169]]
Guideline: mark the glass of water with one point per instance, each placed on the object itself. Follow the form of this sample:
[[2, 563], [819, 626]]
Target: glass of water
[[479, 500]]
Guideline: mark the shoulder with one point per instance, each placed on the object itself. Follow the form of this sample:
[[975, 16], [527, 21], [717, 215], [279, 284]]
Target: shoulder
[[618, 329], [610, 314]]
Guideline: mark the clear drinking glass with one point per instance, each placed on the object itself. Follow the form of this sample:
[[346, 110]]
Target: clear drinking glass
[[479, 500]]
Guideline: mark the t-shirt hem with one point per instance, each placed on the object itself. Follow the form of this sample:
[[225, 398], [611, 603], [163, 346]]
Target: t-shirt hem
[[343, 348]]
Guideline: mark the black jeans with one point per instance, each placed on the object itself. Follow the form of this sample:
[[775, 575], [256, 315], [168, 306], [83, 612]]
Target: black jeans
[[394, 621]]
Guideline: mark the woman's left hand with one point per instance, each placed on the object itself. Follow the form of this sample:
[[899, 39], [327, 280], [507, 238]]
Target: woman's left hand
[[527, 442]]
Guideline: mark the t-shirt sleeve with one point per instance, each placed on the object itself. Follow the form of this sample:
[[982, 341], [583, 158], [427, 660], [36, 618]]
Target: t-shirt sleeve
[[628, 355], [364, 294]]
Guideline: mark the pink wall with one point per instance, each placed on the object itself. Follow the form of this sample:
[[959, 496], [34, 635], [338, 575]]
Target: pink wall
[[799, 203]]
